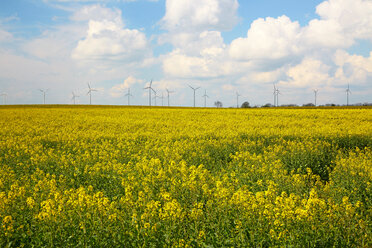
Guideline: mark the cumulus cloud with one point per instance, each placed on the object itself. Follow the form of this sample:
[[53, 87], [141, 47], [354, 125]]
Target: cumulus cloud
[[194, 29], [180, 65], [195, 43], [279, 49], [354, 16], [199, 55], [106, 37], [270, 38], [353, 68], [345, 69], [198, 15], [108, 40], [118, 90], [309, 73], [97, 12], [93, 46]]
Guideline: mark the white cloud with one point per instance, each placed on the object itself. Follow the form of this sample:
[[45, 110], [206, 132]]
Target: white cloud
[[268, 38], [266, 76], [313, 73], [97, 12], [179, 65], [5, 36], [309, 73], [194, 31], [325, 34], [107, 39], [353, 68], [55, 44], [118, 90], [199, 15], [195, 43], [228, 87], [197, 55], [354, 16]]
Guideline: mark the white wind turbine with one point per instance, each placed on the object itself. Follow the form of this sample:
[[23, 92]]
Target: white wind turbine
[[274, 95], [162, 99], [169, 92], [44, 93], [74, 96], [315, 95], [150, 89], [90, 93], [4, 96], [205, 98], [128, 95], [154, 98], [237, 99], [194, 89], [348, 91]]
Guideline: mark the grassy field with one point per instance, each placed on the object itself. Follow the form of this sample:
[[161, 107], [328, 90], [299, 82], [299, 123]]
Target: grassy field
[[94, 176]]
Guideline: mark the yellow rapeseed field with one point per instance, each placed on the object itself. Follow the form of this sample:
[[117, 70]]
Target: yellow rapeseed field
[[81, 176]]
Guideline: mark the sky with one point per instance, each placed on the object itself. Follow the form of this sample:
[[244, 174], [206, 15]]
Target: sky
[[224, 47]]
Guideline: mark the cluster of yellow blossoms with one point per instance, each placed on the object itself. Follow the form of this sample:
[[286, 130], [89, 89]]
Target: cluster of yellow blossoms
[[131, 176]]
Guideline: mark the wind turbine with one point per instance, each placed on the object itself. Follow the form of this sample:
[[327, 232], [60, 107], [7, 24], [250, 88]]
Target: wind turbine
[[154, 98], [128, 95], [90, 93], [315, 94], [277, 92], [348, 91], [4, 95], [169, 92], [237, 99], [194, 89], [44, 92], [274, 95], [150, 89], [205, 98], [162, 99], [74, 97]]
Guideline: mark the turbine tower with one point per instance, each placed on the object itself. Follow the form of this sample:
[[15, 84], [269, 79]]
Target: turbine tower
[[128, 95], [194, 89], [274, 95], [150, 89], [162, 99], [348, 91], [156, 96], [44, 93], [4, 95], [90, 93], [169, 92], [237, 99], [205, 98], [315, 95], [74, 97], [277, 92]]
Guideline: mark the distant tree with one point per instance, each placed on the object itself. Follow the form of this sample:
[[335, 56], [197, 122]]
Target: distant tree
[[267, 105], [308, 105], [245, 105], [218, 104]]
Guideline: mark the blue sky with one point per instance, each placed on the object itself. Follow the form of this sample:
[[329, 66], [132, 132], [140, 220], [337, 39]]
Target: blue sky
[[221, 46]]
